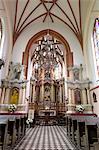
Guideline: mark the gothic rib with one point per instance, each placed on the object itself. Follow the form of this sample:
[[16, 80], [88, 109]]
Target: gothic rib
[[77, 34], [48, 12], [16, 8], [66, 16], [19, 32], [64, 22], [73, 14], [80, 15], [29, 16], [22, 13]]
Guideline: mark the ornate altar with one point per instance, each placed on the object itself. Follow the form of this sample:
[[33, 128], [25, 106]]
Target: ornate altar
[[47, 85], [78, 91], [14, 90]]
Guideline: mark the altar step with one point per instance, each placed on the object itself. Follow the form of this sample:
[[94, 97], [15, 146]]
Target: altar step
[[45, 138]]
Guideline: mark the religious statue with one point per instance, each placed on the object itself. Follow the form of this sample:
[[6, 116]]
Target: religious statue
[[16, 71]]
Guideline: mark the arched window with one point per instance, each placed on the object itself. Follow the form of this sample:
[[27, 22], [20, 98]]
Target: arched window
[[96, 43]]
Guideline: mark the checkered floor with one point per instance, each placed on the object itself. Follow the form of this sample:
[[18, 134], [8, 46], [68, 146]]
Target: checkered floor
[[45, 138]]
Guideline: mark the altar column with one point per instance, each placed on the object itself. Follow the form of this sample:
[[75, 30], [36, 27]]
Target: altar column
[[70, 96], [88, 96], [63, 92], [23, 96], [84, 98], [30, 92], [73, 98], [3, 94], [42, 92], [20, 95], [60, 93], [33, 99], [52, 93], [7, 97]]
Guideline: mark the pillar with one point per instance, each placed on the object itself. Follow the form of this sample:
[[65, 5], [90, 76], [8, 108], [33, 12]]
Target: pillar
[[42, 92], [20, 96], [73, 98], [3, 94], [63, 92], [70, 96], [7, 94], [33, 99], [84, 98], [52, 93], [23, 96], [60, 93], [30, 92], [88, 96]]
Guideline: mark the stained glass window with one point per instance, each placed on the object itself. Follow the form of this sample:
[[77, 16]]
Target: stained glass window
[[96, 43]]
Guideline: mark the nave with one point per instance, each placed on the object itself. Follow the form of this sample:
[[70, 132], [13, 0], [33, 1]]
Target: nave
[[45, 138]]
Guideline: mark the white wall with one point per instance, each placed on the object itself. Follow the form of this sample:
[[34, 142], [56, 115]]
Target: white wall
[[95, 104], [90, 58], [6, 43]]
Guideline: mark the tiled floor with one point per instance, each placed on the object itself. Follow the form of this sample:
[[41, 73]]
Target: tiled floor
[[45, 138]]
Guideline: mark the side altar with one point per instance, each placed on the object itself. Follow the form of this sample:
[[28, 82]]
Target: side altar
[[13, 94]]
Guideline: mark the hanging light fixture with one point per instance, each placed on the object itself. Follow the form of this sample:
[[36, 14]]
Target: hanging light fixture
[[47, 52]]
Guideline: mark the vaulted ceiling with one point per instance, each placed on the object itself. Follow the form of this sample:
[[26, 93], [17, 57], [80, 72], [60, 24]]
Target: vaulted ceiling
[[71, 13]]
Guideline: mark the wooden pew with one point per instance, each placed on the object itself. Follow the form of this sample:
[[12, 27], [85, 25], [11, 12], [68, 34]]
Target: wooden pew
[[3, 132]]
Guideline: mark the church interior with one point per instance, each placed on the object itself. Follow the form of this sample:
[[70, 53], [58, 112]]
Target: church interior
[[49, 74]]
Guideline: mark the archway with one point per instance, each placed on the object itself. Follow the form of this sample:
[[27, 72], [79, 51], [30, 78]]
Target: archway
[[69, 54]]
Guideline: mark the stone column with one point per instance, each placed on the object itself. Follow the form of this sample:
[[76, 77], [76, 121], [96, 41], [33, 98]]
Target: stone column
[[60, 93], [23, 96], [70, 96], [20, 96], [33, 99], [63, 92], [84, 98], [73, 98], [88, 96], [30, 92], [6, 101], [3, 94], [42, 92], [52, 93]]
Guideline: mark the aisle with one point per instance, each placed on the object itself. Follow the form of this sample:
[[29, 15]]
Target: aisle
[[45, 138]]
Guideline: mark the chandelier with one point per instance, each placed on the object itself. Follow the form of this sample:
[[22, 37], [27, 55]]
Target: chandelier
[[47, 52]]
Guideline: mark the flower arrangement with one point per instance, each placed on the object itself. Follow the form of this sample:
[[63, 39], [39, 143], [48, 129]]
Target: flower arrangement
[[80, 108], [12, 108], [28, 121]]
